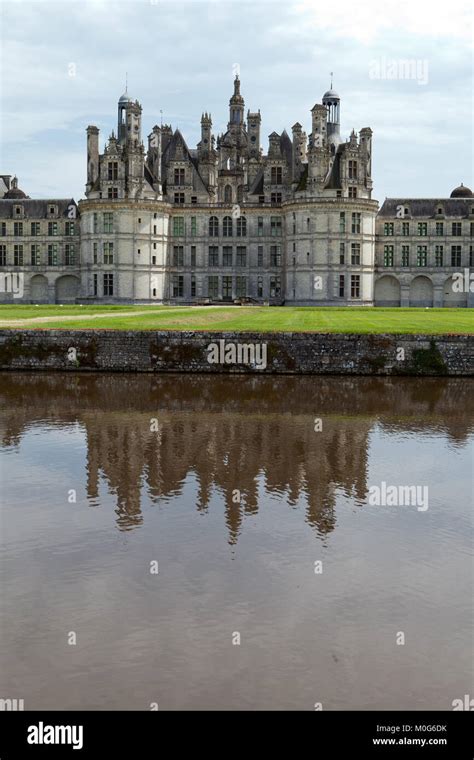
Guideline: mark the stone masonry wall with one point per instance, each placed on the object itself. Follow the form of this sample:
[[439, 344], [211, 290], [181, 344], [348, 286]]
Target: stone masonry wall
[[285, 353]]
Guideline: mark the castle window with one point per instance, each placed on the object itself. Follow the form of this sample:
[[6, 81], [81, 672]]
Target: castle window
[[95, 224], [405, 229], [275, 255], [227, 288], [241, 256], [240, 193], [260, 287], [153, 292], [18, 210], [355, 286], [179, 198], [94, 253], [342, 253], [455, 255], [112, 170], [193, 287], [213, 226], [178, 256], [388, 228], [275, 287], [261, 199], [178, 285], [179, 176], [108, 284], [69, 255], [341, 286], [3, 255], [178, 226], [387, 256], [471, 229], [108, 222], [260, 226], [193, 226], [227, 256], [241, 226], [18, 229], [342, 221], [471, 255], [108, 250], [240, 286], [70, 229], [51, 209], [213, 286], [94, 285], [422, 229], [355, 222], [52, 229], [18, 255], [193, 255], [421, 256], [339, 195], [275, 226], [213, 256], [439, 255], [405, 255], [439, 229], [228, 194], [52, 254], [352, 192], [275, 198], [153, 261], [227, 226], [194, 200], [352, 171], [112, 193], [260, 256], [3, 229], [276, 175], [355, 253], [456, 228]]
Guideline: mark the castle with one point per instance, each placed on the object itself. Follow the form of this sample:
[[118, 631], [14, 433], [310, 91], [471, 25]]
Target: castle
[[226, 222]]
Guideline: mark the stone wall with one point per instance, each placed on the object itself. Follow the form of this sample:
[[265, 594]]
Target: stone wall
[[286, 353]]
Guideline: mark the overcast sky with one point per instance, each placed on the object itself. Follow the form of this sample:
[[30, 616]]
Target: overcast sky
[[63, 67]]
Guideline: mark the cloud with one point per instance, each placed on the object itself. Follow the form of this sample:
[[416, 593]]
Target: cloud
[[180, 56]]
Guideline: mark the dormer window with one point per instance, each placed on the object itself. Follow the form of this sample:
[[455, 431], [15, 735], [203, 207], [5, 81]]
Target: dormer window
[[18, 210]]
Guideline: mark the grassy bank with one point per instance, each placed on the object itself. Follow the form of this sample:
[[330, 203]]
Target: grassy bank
[[240, 318]]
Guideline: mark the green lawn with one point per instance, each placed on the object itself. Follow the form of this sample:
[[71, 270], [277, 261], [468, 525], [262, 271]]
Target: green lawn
[[241, 318]]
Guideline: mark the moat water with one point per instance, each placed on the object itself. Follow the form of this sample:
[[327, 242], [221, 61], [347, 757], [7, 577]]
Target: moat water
[[151, 523]]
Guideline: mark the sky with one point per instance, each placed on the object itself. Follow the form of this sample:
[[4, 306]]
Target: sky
[[405, 69]]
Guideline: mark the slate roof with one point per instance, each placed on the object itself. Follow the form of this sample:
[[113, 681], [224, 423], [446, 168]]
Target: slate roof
[[35, 209], [427, 207]]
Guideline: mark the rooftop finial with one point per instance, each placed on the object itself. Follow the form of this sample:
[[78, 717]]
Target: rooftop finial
[[332, 74], [126, 81]]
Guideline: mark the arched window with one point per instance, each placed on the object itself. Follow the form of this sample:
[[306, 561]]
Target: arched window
[[227, 226], [240, 193], [241, 226], [213, 226], [227, 194]]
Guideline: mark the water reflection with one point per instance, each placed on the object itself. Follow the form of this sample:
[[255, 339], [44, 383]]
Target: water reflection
[[155, 462], [300, 439]]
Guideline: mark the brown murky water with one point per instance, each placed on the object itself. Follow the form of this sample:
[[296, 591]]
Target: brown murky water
[[262, 527]]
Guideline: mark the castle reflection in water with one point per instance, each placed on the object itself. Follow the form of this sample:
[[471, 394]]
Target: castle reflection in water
[[231, 433]]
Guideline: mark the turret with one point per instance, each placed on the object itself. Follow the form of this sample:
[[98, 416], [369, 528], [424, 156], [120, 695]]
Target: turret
[[331, 101], [253, 128], [236, 105], [129, 121]]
